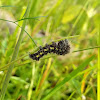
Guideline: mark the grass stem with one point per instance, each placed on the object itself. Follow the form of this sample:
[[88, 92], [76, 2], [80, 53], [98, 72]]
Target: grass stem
[[98, 74], [15, 53]]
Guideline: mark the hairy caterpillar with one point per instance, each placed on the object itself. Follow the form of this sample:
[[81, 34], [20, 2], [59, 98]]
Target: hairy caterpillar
[[60, 48]]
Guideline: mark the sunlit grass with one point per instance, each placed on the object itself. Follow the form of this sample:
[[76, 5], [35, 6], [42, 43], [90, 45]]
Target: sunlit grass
[[73, 76], [98, 75]]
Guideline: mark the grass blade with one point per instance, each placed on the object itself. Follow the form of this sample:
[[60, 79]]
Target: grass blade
[[98, 75], [86, 49], [7, 6], [15, 53], [80, 15], [21, 28], [69, 77], [29, 18]]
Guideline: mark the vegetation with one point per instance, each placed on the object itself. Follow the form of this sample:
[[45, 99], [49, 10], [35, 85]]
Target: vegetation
[[27, 25]]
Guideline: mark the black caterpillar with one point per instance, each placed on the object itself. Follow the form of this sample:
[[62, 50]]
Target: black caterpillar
[[60, 48]]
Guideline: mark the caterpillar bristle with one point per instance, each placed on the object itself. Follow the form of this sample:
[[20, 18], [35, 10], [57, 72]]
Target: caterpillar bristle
[[60, 48]]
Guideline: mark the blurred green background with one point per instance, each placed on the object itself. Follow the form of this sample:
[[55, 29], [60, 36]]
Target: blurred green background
[[50, 20]]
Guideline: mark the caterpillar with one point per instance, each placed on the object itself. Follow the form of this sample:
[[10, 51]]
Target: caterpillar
[[60, 48]]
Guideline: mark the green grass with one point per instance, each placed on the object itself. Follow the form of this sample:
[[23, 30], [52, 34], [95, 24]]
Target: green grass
[[98, 75], [69, 77], [15, 53]]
